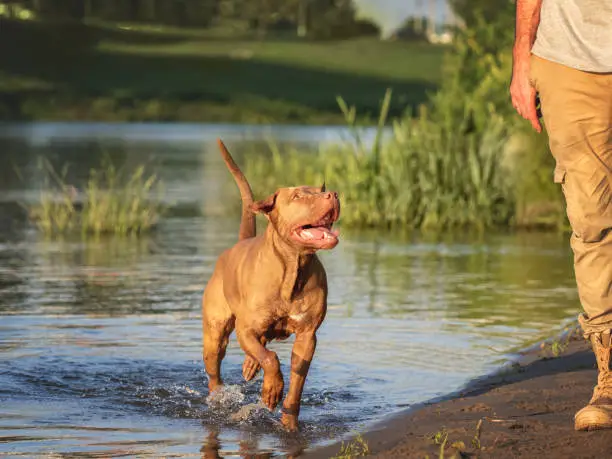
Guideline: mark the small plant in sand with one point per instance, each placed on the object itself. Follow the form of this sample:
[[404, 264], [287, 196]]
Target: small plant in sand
[[112, 201], [439, 438], [457, 447], [355, 448], [476, 438], [442, 442], [556, 348], [560, 344]]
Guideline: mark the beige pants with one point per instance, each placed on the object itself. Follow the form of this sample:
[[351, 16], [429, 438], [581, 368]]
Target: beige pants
[[577, 110]]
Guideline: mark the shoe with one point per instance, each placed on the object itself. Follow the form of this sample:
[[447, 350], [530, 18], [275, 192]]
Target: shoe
[[598, 413]]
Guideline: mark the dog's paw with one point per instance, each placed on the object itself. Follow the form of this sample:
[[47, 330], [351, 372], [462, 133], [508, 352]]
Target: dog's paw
[[289, 422], [214, 385], [250, 368], [272, 390]]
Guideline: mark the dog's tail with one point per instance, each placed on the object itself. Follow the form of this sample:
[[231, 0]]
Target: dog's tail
[[247, 222]]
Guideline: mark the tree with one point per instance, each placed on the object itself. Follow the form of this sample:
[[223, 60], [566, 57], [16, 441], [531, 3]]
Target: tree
[[308, 18], [263, 15], [175, 12], [302, 20], [471, 10], [413, 28], [333, 19]]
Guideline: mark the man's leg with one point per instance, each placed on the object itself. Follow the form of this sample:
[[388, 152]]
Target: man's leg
[[577, 111]]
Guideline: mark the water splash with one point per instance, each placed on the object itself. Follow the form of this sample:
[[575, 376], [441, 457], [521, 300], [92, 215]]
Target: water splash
[[249, 412], [226, 397]]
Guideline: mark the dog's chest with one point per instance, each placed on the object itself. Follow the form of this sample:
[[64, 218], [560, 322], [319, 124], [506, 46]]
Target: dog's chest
[[286, 324], [297, 318]]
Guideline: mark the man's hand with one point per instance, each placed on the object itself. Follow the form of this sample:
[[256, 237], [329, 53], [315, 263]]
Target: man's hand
[[523, 93]]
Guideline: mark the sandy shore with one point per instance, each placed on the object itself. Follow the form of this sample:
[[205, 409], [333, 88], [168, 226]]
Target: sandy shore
[[525, 411]]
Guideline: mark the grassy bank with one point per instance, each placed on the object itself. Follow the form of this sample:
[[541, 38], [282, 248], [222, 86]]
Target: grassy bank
[[76, 71]]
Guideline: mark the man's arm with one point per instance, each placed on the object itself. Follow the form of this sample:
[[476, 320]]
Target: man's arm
[[527, 21], [522, 92]]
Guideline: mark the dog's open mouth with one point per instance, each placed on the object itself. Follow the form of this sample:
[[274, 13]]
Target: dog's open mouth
[[318, 232]]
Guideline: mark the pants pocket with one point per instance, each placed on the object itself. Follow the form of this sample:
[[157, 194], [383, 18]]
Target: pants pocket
[[588, 196]]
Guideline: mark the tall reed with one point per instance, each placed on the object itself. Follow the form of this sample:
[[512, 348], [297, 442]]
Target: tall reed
[[425, 174], [112, 200]]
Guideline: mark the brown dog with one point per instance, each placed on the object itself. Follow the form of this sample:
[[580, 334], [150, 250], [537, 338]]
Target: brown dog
[[270, 286]]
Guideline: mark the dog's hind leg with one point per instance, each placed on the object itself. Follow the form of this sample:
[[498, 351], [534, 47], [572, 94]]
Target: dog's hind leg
[[217, 325]]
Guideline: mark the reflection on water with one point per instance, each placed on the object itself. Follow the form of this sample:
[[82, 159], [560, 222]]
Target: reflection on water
[[100, 340]]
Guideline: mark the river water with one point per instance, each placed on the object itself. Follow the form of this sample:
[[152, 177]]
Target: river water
[[100, 340]]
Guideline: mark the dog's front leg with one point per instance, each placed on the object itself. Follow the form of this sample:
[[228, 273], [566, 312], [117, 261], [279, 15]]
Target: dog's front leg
[[272, 390], [303, 352]]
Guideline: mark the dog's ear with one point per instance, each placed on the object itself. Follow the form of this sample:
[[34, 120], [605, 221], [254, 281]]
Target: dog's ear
[[264, 206], [323, 187]]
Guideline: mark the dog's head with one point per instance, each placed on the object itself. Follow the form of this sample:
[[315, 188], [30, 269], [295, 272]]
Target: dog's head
[[303, 216]]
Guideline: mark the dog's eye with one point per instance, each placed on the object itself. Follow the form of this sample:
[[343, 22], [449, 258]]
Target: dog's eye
[[295, 196]]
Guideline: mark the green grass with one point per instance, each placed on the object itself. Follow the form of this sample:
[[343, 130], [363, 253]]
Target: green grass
[[558, 345], [440, 437], [355, 448], [112, 201], [458, 448], [110, 72]]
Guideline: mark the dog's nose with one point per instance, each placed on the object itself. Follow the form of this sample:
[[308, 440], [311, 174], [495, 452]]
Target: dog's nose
[[330, 194]]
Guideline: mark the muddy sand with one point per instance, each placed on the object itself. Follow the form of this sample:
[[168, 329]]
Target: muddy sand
[[524, 411]]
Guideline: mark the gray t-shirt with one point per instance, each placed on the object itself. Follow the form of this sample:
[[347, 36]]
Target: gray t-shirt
[[576, 33]]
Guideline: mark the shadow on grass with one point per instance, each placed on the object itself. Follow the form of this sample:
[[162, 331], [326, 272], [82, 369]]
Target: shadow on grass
[[66, 57]]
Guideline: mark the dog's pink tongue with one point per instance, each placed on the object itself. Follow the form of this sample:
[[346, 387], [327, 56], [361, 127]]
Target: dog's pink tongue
[[318, 232]]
